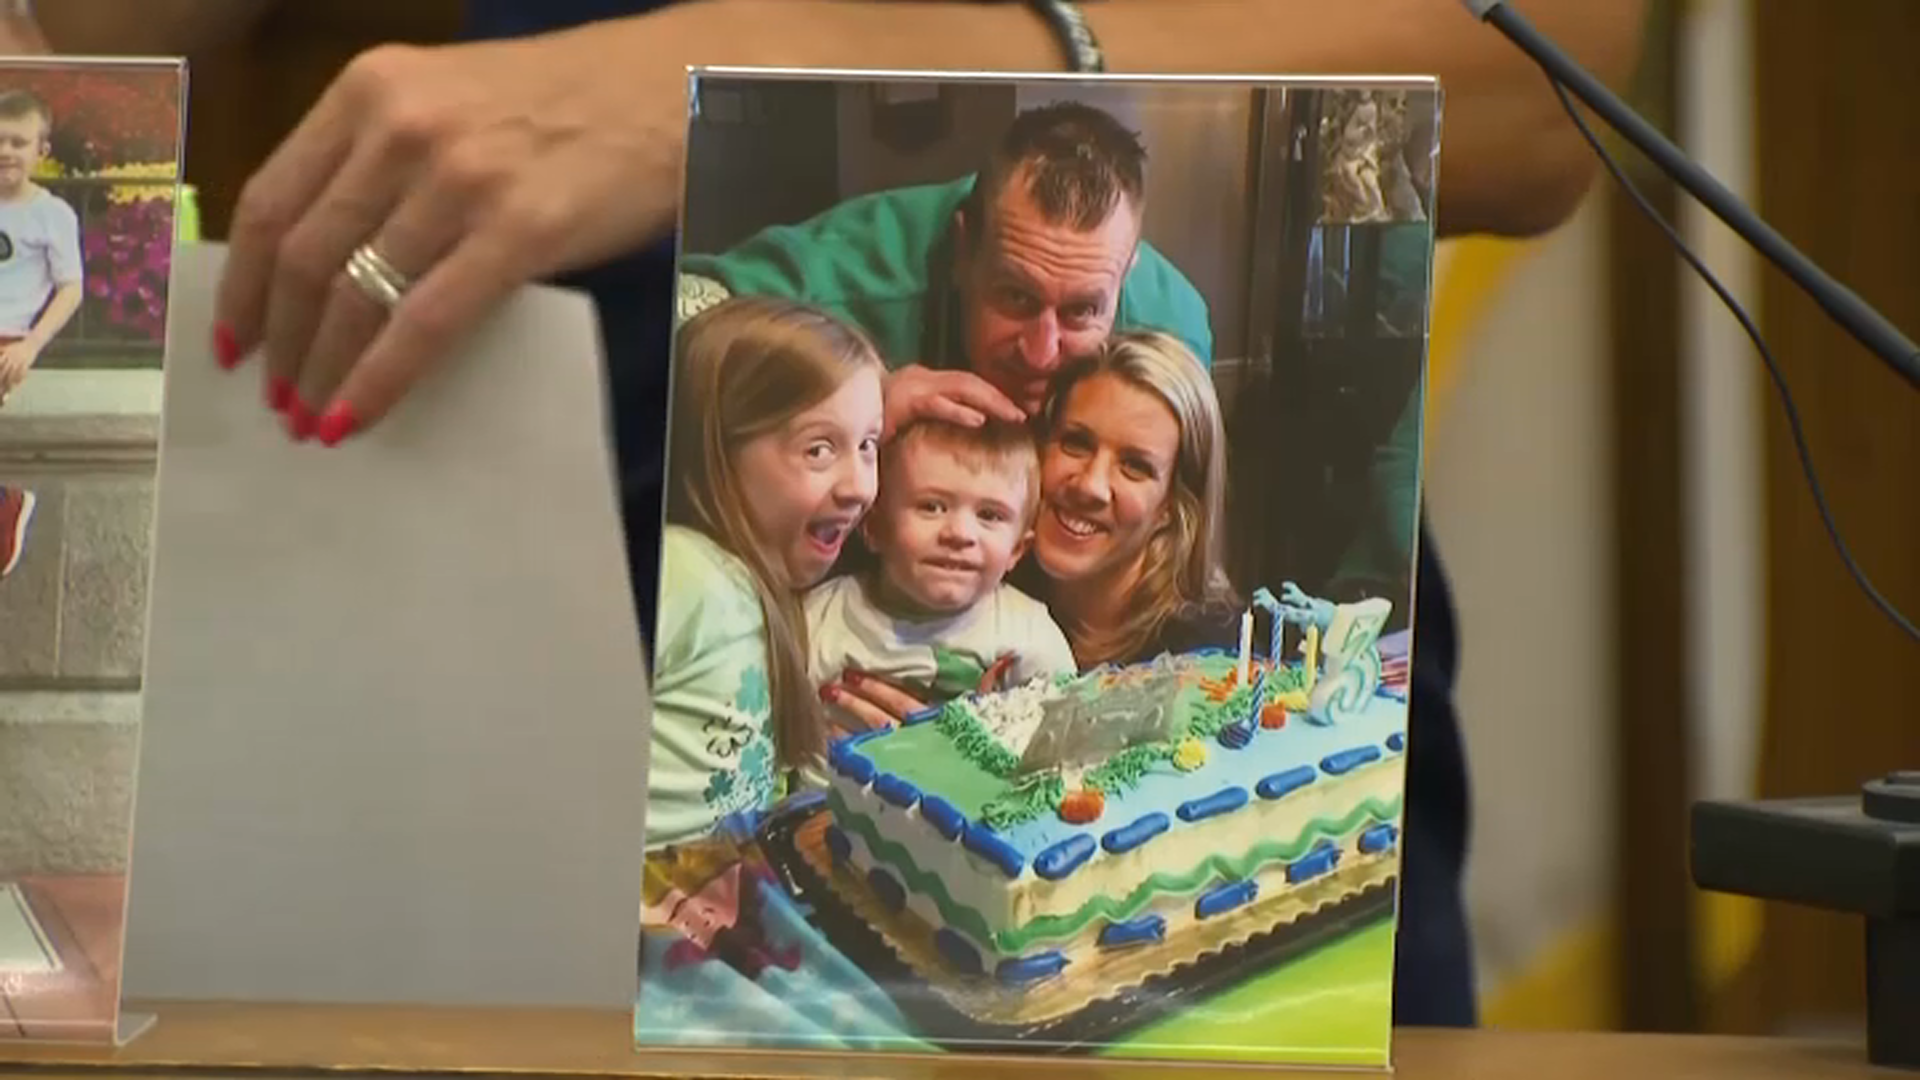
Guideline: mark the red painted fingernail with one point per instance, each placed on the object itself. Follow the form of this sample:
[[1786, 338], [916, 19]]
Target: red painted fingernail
[[279, 393], [226, 347], [851, 678], [337, 424], [299, 420], [830, 693]]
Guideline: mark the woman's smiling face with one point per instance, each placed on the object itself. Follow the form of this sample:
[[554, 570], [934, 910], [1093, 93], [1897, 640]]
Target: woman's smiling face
[[808, 482], [1106, 474]]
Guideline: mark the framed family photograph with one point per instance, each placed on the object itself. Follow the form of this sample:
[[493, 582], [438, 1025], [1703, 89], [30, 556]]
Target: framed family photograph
[[90, 175], [1043, 469]]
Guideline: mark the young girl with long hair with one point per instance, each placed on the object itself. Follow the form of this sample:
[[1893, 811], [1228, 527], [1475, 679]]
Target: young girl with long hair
[[775, 426]]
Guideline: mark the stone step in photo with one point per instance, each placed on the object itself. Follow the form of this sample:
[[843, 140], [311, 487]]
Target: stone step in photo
[[72, 638], [66, 781], [74, 608]]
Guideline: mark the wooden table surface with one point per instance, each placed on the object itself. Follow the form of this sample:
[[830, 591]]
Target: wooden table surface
[[273, 1040]]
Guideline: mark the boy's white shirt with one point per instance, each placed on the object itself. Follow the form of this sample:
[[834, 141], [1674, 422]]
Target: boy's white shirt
[[39, 251], [846, 630]]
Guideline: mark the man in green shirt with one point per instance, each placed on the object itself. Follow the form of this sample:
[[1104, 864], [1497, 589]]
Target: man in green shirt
[[977, 289]]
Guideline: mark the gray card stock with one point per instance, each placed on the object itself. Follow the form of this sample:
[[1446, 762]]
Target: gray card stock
[[394, 740]]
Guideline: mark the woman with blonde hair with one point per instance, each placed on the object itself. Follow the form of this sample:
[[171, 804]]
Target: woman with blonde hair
[[1130, 541], [774, 433]]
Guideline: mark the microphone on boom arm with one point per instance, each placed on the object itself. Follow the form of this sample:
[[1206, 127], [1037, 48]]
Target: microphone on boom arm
[[1853, 314], [1858, 854], [1862, 321]]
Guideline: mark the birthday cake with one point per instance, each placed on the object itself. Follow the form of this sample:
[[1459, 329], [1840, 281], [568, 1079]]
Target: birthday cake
[[1033, 849]]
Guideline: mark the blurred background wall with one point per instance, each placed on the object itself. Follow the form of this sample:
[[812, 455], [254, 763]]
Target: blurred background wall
[[1652, 611]]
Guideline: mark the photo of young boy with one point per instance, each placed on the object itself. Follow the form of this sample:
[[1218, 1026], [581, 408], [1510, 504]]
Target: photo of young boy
[[41, 277], [954, 516]]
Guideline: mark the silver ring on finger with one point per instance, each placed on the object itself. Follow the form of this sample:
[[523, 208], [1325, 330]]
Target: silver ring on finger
[[376, 277]]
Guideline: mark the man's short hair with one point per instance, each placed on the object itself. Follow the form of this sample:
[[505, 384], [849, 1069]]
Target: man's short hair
[[1076, 162], [15, 104], [995, 446]]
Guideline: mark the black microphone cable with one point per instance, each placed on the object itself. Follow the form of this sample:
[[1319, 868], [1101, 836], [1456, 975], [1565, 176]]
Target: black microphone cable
[[1759, 343]]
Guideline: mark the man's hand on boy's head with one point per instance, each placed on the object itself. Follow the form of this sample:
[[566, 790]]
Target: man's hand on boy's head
[[16, 358], [959, 397]]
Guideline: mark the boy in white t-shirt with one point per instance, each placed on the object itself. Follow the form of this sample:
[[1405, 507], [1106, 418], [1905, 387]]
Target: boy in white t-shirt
[[934, 617], [40, 275]]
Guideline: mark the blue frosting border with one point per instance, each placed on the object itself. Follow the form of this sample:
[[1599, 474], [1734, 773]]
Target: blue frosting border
[[1059, 857]]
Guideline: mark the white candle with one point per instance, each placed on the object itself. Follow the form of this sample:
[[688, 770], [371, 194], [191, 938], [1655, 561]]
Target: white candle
[[1246, 642]]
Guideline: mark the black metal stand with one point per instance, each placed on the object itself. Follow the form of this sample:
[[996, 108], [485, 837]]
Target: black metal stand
[[1854, 855]]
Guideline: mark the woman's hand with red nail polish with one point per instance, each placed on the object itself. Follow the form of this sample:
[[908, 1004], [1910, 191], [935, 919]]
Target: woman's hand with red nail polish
[[472, 169], [336, 424], [226, 347], [300, 420], [279, 393]]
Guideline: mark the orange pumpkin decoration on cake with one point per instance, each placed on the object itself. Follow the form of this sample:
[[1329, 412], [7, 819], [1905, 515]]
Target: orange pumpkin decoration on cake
[[1083, 806]]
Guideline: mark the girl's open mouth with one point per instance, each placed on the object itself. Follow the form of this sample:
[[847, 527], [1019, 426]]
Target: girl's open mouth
[[829, 535]]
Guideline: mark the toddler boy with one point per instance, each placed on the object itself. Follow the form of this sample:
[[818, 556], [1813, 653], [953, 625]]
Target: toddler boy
[[934, 616]]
